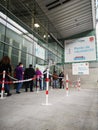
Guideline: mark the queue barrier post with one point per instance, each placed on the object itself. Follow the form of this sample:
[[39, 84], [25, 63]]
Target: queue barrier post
[[37, 84], [79, 84], [47, 88], [67, 81], [42, 84], [2, 89]]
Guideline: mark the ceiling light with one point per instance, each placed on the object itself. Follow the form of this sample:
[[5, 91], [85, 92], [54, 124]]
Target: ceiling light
[[48, 35], [36, 25], [44, 36]]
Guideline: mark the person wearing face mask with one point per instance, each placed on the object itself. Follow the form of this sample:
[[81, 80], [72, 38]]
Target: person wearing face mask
[[19, 75]]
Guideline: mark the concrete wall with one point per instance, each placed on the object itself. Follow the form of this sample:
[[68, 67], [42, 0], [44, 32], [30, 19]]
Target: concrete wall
[[86, 80]]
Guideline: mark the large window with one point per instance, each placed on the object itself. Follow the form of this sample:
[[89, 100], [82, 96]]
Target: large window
[[22, 46]]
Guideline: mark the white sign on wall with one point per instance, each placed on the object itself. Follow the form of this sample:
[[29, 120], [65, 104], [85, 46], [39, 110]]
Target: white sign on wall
[[82, 49], [80, 68], [40, 51]]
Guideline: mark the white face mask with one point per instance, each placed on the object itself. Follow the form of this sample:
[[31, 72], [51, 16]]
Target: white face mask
[[21, 65]]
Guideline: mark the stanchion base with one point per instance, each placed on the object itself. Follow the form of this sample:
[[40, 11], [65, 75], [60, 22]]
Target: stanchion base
[[67, 94], [46, 104], [2, 97], [78, 89]]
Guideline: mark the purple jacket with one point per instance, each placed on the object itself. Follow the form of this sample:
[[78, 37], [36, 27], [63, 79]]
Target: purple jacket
[[38, 72], [19, 72]]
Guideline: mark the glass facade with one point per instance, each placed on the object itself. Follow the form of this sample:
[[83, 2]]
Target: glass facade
[[22, 45], [97, 28]]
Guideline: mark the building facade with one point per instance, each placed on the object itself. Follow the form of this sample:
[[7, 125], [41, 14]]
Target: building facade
[[25, 44]]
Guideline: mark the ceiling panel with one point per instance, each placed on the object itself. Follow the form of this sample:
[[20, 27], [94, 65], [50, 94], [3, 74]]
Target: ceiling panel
[[70, 17]]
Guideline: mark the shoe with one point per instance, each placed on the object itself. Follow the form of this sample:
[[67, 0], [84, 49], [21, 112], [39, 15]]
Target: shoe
[[18, 92], [9, 94]]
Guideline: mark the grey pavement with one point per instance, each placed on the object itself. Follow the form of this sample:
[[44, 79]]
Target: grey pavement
[[25, 111]]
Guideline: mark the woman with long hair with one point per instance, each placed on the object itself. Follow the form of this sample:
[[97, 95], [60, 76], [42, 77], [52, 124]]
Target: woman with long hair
[[5, 66]]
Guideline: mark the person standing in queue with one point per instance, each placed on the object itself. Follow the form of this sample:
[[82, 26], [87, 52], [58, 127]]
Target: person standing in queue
[[38, 78], [55, 79], [19, 75], [5, 66], [61, 77], [29, 73]]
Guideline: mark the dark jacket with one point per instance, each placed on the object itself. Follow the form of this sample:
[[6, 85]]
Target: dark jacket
[[61, 76], [29, 73], [7, 68]]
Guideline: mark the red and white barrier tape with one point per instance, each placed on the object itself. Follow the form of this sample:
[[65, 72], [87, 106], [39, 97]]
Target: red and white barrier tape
[[18, 81]]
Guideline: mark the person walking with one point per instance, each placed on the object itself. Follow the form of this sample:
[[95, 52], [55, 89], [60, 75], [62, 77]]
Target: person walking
[[5, 66], [19, 75], [29, 73]]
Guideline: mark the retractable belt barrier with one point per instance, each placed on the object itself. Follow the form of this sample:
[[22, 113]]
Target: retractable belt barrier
[[10, 82], [35, 77]]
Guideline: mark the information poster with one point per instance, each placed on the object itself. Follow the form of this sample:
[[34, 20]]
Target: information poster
[[80, 68], [79, 50]]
